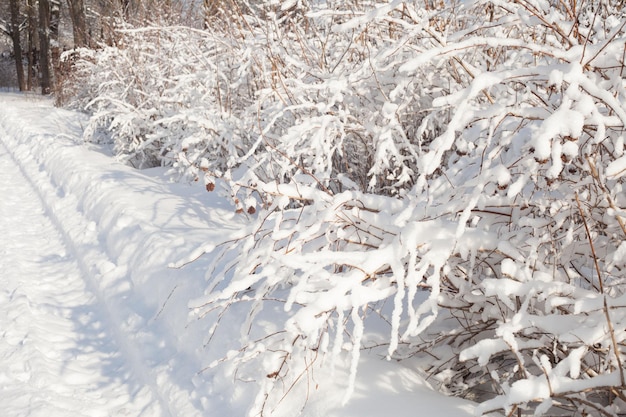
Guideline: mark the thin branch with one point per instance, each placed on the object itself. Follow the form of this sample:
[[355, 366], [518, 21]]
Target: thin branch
[[607, 43], [606, 308], [607, 195]]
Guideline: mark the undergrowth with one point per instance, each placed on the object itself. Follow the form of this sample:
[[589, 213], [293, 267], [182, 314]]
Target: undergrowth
[[453, 170]]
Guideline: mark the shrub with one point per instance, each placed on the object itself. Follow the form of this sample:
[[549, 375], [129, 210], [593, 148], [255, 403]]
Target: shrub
[[455, 171]]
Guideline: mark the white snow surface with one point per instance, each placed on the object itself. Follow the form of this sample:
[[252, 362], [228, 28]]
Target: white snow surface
[[94, 321]]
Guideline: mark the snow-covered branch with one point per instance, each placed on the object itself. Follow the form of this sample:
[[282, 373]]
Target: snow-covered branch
[[407, 171]]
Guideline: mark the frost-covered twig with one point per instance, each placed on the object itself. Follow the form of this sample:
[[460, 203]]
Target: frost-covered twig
[[607, 314]]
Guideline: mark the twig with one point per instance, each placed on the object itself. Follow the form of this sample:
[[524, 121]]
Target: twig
[[165, 302], [609, 199], [607, 43], [606, 308], [513, 410], [582, 56]]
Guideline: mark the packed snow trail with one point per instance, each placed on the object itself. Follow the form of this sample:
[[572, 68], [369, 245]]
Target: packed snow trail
[[58, 354], [63, 323]]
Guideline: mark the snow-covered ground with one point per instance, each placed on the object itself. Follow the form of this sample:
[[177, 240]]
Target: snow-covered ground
[[95, 322]]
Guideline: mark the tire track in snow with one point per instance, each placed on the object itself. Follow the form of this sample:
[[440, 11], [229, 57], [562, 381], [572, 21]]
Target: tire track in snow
[[96, 269], [55, 356]]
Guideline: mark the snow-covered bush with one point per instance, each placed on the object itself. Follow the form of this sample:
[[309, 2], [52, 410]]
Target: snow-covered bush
[[278, 95], [157, 95], [513, 225], [452, 171]]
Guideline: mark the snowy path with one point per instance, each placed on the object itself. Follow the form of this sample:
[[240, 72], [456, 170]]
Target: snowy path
[[92, 318], [63, 358]]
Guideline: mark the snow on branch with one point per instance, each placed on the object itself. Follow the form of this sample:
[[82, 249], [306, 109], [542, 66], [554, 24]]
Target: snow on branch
[[443, 183]]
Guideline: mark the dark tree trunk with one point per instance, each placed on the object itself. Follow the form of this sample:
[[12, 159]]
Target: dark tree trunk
[[44, 47], [17, 43], [32, 44], [55, 43], [79, 23]]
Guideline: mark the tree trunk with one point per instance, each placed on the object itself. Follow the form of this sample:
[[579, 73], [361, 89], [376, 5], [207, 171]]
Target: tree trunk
[[79, 23], [55, 42], [17, 43], [44, 47], [32, 44], [55, 21]]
